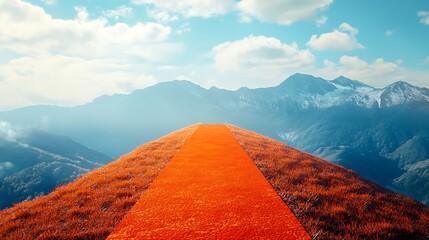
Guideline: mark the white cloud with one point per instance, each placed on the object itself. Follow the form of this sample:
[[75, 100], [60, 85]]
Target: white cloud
[[48, 2], [424, 17], [46, 60], [261, 56], [161, 15], [121, 11], [328, 64], [389, 33], [27, 29], [279, 11], [379, 73], [341, 39], [283, 11], [322, 20], [345, 27], [192, 8], [184, 28], [65, 80], [244, 18]]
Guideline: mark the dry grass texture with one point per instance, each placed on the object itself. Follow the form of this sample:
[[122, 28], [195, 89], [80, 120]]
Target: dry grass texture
[[91, 207], [330, 201], [210, 190]]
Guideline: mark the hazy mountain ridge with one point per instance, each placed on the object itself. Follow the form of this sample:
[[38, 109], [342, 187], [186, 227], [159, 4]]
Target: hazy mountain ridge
[[33, 163], [376, 132]]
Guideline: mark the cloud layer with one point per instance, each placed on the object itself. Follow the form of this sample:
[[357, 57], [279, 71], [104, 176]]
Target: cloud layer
[[192, 8], [424, 17], [341, 39], [65, 80], [261, 57], [259, 51], [70, 62], [283, 11], [81, 36]]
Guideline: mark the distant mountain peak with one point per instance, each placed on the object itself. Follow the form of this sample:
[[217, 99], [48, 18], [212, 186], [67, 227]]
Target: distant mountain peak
[[399, 84], [347, 82], [178, 83], [301, 77], [305, 84], [401, 93]]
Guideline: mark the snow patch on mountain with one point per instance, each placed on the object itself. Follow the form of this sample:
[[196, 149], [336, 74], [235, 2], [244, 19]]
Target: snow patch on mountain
[[311, 92]]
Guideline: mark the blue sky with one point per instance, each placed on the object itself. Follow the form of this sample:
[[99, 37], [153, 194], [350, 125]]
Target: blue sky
[[69, 52]]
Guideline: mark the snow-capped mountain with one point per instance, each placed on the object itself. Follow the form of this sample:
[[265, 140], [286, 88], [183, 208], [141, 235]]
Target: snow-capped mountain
[[402, 93], [309, 92], [378, 132]]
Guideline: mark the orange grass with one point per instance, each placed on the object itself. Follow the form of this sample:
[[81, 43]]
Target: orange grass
[[211, 189], [91, 207], [330, 201]]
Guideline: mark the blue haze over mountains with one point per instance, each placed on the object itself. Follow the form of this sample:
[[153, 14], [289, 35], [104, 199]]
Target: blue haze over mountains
[[34, 162], [383, 134]]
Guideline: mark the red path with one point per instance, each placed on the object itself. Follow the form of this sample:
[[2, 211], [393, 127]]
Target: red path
[[210, 190]]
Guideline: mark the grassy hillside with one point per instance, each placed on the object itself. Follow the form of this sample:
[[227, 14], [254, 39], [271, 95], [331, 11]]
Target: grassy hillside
[[93, 205], [330, 201]]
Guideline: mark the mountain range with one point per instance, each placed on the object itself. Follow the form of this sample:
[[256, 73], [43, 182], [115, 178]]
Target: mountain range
[[381, 133], [33, 163]]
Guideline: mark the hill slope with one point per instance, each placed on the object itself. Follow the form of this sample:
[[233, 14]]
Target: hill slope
[[33, 163], [90, 207], [330, 201]]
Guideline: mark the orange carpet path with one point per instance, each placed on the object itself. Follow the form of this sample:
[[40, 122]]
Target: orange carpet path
[[211, 189]]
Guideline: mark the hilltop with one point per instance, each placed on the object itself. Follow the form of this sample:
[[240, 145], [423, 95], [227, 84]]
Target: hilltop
[[329, 200]]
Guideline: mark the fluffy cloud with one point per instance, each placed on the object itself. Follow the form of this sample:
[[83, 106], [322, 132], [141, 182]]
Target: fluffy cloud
[[121, 11], [341, 39], [65, 80], [360, 69], [424, 17], [283, 11], [54, 61], [192, 8], [261, 56], [279, 11], [378, 73], [27, 29], [161, 16]]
